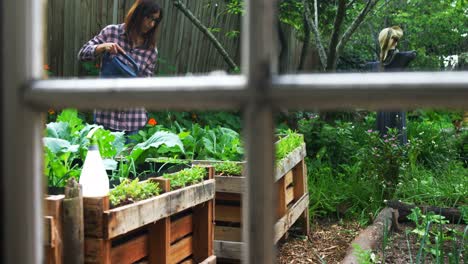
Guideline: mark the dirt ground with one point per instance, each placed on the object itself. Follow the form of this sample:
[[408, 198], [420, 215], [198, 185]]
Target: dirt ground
[[328, 243]]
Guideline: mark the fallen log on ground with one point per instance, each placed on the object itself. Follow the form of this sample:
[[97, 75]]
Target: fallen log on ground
[[370, 237], [451, 214]]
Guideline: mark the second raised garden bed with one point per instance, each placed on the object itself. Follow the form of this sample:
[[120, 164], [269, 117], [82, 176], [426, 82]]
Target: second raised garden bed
[[291, 183]]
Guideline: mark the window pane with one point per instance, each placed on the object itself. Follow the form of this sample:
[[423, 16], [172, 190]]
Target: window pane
[[353, 168], [337, 36], [192, 37]]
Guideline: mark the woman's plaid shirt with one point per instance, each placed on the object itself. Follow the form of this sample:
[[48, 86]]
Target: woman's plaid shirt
[[121, 119]]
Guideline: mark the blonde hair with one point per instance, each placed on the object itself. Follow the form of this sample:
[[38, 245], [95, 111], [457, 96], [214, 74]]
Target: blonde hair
[[387, 38]]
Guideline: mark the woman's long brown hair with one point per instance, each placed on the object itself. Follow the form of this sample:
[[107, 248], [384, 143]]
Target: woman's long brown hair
[[134, 19]]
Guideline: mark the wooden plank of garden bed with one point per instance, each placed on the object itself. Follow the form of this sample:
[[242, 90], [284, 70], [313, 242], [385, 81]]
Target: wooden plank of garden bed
[[228, 213], [228, 233], [54, 209], [181, 227], [97, 250], [283, 225], [228, 249], [130, 251], [203, 233], [232, 197], [209, 260], [290, 161], [230, 184], [288, 178], [181, 250], [49, 227], [289, 194], [130, 217], [159, 241]]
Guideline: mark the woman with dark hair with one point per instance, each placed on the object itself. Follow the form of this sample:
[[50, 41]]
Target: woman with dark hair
[[136, 37]]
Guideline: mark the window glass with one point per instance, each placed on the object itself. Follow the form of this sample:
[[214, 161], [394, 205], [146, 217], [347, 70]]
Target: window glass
[[337, 36], [192, 37]]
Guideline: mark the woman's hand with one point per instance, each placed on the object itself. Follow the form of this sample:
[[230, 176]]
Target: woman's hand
[[110, 47]]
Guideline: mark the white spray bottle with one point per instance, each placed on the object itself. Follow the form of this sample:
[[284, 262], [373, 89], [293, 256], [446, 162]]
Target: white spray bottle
[[93, 178]]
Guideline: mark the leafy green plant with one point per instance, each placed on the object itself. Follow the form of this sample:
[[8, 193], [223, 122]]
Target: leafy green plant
[[228, 168], [131, 191], [90, 68], [65, 146], [431, 230], [287, 144], [186, 177], [364, 256]]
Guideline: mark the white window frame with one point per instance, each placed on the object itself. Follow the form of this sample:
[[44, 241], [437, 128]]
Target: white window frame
[[257, 92]]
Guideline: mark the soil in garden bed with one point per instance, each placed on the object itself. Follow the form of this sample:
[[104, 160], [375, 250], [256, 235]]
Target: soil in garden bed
[[329, 239]]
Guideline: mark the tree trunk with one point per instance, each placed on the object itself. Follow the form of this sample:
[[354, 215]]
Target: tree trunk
[[305, 46], [318, 40], [452, 214], [369, 238], [207, 33], [352, 28], [332, 52], [283, 54]]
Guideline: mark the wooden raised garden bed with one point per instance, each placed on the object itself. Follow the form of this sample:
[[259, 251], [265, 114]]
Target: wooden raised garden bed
[[174, 227], [293, 200]]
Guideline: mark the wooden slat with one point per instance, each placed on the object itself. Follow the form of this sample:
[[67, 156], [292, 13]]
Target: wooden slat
[[232, 197], [282, 205], [130, 251], [54, 209], [164, 184], [209, 260], [283, 225], [228, 249], [160, 241], [300, 179], [49, 236], [288, 178], [228, 233], [130, 217], [290, 161], [289, 194], [93, 209], [227, 213], [181, 227], [97, 250], [301, 188], [181, 250], [188, 261], [203, 233], [230, 184]]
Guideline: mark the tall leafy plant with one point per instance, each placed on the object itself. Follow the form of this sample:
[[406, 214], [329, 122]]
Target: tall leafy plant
[[65, 147]]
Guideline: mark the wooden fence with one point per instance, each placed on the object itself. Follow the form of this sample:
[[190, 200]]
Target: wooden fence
[[182, 47]]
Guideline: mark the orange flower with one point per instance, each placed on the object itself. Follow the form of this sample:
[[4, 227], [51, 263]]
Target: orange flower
[[152, 122], [51, 111], [97, 65], [46, 67]]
